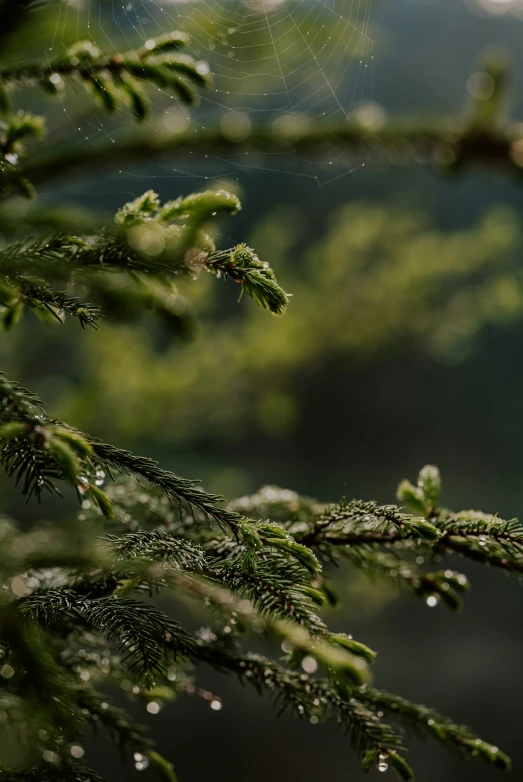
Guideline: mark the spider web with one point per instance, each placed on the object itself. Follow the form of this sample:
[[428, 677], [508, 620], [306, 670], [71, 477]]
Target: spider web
[[278, 66]]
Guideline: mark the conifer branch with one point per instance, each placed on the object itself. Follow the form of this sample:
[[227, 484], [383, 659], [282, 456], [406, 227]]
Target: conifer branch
[[115, 79], [276, 592], [36, 673], [123, 733], [315, 699], [47, 303], [151, 242], [381, 540], [424, 720], [478, 136], [70, 772], [159, 547], [452, 145], [145, 636], [41, 450]]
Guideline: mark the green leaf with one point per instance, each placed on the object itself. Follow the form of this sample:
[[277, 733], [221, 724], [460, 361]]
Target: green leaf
[[164, 43], [411, 496], [136, 96], [66, 458], [369, 759], [355, 647], [103, 88], [102, 500], [399, 765], [75, 440], [162, 767], [12, 430], [429, 481]]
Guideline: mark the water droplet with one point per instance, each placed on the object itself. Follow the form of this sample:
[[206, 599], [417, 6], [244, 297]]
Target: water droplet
[[216, 704], [19, 587], [76, 750], [82, 485], [153, 707], [309, 664], [140, 761], [432, 601], [382, 763]]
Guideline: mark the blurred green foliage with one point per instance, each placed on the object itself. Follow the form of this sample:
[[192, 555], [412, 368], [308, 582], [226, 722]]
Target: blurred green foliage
[[381, 278]]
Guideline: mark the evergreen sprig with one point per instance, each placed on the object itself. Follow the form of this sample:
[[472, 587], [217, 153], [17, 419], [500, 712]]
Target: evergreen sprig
[[423, 720], [69, 772], [151, 244], [281, 594], [478, 136], [115, 79], [261, 573]]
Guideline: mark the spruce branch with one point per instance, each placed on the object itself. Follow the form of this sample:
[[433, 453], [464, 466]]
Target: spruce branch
[[145, 635], [479, 136], [277, 588], [47, 303], [70, 772], [315, 699], [256, 277], [120, 729], [217, 573], [42, 450], [15, 130], [158, 547], [151, 242], [424, 720], [483, 538], [115, 79], [335, 652], [383, 540]]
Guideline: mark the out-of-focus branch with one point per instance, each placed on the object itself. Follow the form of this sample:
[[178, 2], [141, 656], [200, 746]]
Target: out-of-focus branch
[[479, 136]]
